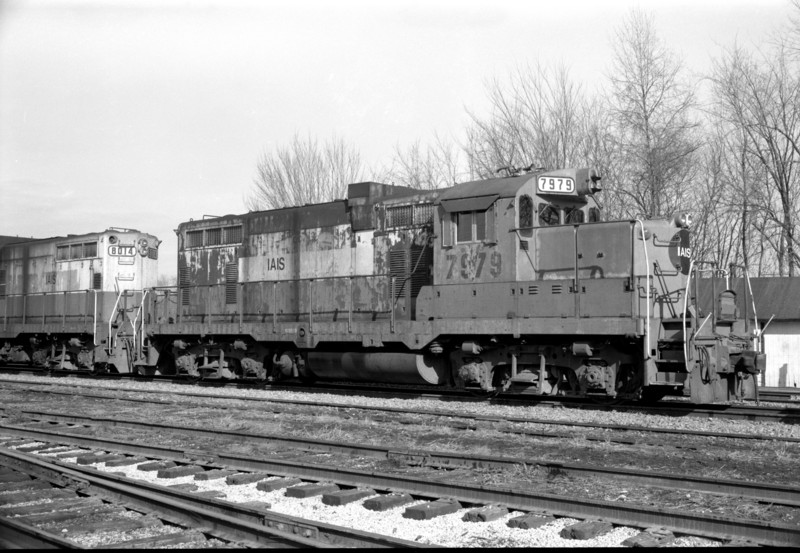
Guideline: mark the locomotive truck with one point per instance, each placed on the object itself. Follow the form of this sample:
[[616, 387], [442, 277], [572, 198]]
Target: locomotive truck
[[506, 284]]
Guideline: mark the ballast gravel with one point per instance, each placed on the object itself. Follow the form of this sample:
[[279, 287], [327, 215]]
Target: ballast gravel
[[540, 412], [448, 530]]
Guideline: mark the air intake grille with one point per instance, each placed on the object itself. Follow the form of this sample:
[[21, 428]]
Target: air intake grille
[[183, 282], [398, 270], [231, 280]]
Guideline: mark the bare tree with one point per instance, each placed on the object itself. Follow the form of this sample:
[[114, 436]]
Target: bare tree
[[728, 219], [651, 108], [437, 165], [539, 116], [304, 172], [794, 29], [761, 98]]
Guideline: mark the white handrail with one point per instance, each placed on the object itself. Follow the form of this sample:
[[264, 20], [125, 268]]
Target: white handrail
[[685, 307], [757, 333], [647, 293], [111, 321], [136, 318], [94, 320]]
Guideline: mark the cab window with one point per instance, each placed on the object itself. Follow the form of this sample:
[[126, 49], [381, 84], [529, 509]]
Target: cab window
[[573, 215], [525, 211], [548, 215], [470, 226]]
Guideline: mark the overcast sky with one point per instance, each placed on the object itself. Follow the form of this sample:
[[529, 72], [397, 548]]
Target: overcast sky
[[144, 114]]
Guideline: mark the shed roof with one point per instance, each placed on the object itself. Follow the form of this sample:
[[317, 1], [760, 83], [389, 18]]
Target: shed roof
[[779, 296]]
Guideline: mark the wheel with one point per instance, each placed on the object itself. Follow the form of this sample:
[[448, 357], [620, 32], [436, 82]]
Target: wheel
[[652, 395], [98, 369]]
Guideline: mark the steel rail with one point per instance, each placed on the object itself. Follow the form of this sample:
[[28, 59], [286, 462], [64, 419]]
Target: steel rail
[[721, 411], [771, 493], [468, 416], [730, 412], [765, 533], [236, 523]]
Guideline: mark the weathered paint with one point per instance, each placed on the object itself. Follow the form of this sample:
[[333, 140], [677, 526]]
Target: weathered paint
[[32, 266], [58, 305], [346, 271], [309, 253]]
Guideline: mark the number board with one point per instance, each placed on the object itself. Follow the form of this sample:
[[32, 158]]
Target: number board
[[556, 185], [124, 251]]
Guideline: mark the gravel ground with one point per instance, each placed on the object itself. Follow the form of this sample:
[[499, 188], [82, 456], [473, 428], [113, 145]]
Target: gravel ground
[[448, 530], [770, 429]]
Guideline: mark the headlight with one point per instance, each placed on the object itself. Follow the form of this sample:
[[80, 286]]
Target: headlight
[[682, 219]]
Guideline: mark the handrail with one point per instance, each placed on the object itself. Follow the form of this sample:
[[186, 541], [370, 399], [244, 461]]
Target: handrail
[[756, 336], [274, 283], [58, 293], [136, 318], [647, 293], [755, 315], [94, 320], [110, 343], [685, 307], [24, 315], [187, 286]]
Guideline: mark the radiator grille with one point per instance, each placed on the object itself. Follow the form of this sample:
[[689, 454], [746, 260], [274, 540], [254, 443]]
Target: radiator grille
[[232, 235], [194, 238]]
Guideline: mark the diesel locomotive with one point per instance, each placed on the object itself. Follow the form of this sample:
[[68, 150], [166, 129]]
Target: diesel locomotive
[[506, 284], [71, 302]]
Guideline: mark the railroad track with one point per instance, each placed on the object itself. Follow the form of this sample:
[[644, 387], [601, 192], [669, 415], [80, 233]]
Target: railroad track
[[768, 394], [105, 499], [674, 409], [471, 419], [776, 494], [449, 496]]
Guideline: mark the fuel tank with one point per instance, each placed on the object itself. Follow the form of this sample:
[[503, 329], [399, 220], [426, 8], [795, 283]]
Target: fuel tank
[[390, 368]]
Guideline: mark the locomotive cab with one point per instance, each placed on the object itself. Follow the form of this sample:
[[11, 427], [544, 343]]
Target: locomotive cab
[[549, 299]]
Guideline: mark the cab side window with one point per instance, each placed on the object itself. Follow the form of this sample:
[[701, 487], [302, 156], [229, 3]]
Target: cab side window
[[573, 215], [548, 215], [525, 212], [470, 226]]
